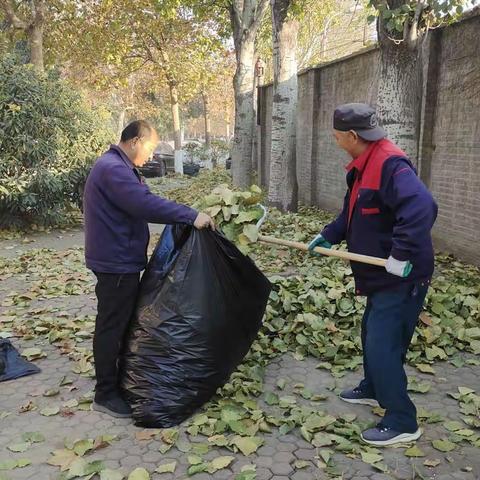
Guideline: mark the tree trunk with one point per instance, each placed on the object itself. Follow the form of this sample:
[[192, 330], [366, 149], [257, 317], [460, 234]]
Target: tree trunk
[[121, 122], [227, 127], [206, 114], [35, 40], [177, 131], [244, 115], [246, 17], [32, 27], [282, 189], [399, 93]]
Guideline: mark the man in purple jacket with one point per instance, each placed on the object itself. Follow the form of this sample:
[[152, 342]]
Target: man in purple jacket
[[117, 209], [388, 212]]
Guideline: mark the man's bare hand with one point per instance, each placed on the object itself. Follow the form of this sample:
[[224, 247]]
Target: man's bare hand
[[203, 221]]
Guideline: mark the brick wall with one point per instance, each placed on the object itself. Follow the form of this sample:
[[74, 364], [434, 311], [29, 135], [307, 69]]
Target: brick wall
[[449, 160], [455, 163]]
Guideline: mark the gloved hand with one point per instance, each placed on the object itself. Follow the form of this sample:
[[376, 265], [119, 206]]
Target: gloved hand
[[398, 268], [318, 241]]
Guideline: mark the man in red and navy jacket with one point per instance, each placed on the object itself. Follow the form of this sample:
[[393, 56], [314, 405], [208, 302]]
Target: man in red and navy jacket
[[388, 212]]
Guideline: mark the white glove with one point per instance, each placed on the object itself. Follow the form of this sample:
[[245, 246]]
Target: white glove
[[398, 268]]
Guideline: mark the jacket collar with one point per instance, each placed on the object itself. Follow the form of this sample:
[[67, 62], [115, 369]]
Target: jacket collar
[[360, 162], [123, 156]]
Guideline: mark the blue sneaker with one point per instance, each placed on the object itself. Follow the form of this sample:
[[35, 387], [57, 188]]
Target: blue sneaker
[[381, 436], [356, 395]]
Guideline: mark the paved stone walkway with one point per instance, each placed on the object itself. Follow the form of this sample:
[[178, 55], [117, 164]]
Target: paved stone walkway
[[275, 460]]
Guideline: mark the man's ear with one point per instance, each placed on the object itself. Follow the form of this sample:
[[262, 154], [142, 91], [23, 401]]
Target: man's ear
[[354, 135]]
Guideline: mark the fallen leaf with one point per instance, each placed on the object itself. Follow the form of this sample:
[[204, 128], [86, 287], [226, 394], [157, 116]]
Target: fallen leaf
[[201, 467], [371, 458], [246, 475], [27, 407], [194, 460], [71, 403], [164, 448], [220, 463], [183, 446], [139, 474], [65, 381], [218, 440], [453, 426], [109, 474], [271, 398], [34, 437], [425, 368], [414, 452], [8, 464], [465, 390], [281, 383], [431, 463], [19, 447], [33, 353], [425, 319], [247, 445], [147, 434], [77, 468], [51, 393], [62, 458], [167, 467], [443, 445], [49, 411], [81, 447], [169, 435]]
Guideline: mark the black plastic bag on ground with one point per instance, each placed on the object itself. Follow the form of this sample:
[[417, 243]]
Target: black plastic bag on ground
[[12, 365], [200, 307]]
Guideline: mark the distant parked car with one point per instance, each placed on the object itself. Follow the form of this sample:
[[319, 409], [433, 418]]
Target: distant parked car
[[156, 167], [163, 164], [191, 169]]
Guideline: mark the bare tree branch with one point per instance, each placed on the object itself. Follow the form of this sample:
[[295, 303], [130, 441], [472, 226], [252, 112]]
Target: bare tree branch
[[259, 14], [38, 9], [413, 34], [235, 17], [12, 17]]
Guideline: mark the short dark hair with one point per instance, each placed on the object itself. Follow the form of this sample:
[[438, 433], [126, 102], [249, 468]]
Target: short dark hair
[[137, 128]]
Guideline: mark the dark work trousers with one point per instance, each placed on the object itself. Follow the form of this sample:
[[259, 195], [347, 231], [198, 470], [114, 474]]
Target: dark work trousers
[[387, 329], [116, 295]]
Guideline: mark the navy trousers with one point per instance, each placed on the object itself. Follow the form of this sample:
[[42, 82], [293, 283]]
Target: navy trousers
[[387, 329]]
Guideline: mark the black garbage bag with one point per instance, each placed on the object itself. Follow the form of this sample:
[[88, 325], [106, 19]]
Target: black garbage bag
[[200, 307], [12, 365]]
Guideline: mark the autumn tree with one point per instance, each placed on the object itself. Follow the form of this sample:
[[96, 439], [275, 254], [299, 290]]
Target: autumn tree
[[29, 19], [163, 38], [402, 26], [246, 18], [282, 191]]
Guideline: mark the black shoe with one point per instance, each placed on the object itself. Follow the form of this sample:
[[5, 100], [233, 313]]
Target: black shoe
[[115, 407], [356, 395]]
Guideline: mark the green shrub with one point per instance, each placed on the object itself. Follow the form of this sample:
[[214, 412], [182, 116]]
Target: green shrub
[[49, 137]]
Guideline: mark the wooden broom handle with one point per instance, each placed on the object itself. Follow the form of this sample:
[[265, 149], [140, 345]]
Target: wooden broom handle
[[355, 257]]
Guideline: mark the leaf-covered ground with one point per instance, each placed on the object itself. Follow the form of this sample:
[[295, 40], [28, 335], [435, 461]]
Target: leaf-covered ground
[[279, 416]]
